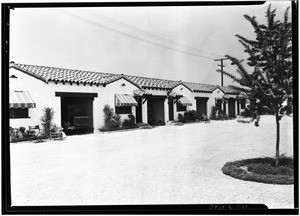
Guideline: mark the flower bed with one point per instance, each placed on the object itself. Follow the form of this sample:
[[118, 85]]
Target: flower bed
[[117, 129], [262, 170]]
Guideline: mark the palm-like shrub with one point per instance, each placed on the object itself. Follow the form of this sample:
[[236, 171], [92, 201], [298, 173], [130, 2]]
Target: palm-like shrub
[[47, 118]]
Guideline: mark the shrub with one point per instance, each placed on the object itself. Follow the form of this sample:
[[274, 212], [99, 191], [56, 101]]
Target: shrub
[[264, 169], [14, 134], [47, 118], [218, 114], [246, 113], [181, 118], [223, 115], [191, 115], [213, 113], [185, 116], [22, 129], [111, 121], [199, 116], [130, 122]]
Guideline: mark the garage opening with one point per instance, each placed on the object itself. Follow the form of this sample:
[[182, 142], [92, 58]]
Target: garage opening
[[77, 112], [156, 110]]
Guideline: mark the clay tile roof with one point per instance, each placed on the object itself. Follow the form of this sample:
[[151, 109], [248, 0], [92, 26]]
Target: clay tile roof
[[229, 90], [55, 74], [199, 87], [146, 82], [64, 75]]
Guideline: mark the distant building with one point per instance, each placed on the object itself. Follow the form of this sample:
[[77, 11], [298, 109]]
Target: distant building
[[78, 97]]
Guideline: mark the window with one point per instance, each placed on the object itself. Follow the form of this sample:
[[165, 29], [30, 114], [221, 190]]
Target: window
[[18, 113], [243, 106], [123, 110], [180, 107]]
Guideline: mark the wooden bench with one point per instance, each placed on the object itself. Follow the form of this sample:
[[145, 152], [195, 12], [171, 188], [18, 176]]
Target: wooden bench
[[56, 134]]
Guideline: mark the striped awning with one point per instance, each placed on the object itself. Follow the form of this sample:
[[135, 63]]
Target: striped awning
[[141, 93], [184, 101], [174, 94], [124, 100], [20, 99]]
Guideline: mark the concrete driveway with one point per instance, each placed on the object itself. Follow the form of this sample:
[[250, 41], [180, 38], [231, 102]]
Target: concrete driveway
[[163, 165]]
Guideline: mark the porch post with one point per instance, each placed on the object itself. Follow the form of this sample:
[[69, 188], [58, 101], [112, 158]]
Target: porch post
[[227, 108], [235, 110], [238, 107], [208, 108], [166, 110], [133, 110], [145, 111], [174, 111]]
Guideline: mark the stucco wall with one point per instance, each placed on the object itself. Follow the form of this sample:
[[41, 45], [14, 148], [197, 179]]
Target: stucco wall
[[43, 95], [107, 96], [208, 103], [217, 93], [181, 89]]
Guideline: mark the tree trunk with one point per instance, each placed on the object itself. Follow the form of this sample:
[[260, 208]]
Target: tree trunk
[[277, 139]]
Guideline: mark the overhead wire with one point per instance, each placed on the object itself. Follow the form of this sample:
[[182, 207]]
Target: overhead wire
[[127, 34], [230, 68], [148, 34]]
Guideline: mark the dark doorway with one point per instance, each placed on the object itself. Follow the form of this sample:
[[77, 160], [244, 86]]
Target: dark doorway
[[156, 111], [231, 108], [171, 109], [77, 112], [218, 105], [201, 106], [138, 110], [238, 107]]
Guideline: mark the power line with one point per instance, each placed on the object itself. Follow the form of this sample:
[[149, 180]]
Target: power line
[[148, 34], [230, 68], [128, 35]]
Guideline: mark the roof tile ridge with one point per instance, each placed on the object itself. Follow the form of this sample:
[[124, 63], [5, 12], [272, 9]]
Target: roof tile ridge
[[59, 68], [198, 83], [151, 78]]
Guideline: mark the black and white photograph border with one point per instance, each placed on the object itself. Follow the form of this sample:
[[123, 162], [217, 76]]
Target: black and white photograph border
[[150, 107]]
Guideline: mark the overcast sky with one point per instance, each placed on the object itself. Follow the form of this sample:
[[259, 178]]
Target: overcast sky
[[178, 43]]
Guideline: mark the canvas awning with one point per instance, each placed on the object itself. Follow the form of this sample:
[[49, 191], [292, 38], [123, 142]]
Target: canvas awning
[[20, 99], [141, 93], [125, 100], [184, 101], [174, 94]]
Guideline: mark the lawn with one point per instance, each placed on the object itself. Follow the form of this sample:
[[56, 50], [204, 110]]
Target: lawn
[[163, 165]]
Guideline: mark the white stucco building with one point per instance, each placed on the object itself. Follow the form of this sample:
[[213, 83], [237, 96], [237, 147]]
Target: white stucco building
[[78, 97]]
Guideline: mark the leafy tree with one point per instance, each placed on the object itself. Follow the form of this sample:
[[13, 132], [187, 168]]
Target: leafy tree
[[269, 86]]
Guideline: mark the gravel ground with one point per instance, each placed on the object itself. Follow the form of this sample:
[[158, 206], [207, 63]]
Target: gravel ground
[[163, 165]]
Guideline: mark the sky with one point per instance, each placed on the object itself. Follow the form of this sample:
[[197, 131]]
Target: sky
[[176, 43]]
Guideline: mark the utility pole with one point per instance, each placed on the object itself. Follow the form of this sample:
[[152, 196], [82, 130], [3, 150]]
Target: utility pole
[[221, 65]]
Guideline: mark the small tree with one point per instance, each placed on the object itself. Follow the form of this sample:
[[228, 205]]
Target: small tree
[[47, 118], [269, 87]]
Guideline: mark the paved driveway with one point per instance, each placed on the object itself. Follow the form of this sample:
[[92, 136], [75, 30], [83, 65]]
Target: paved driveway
[[163, 165]]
